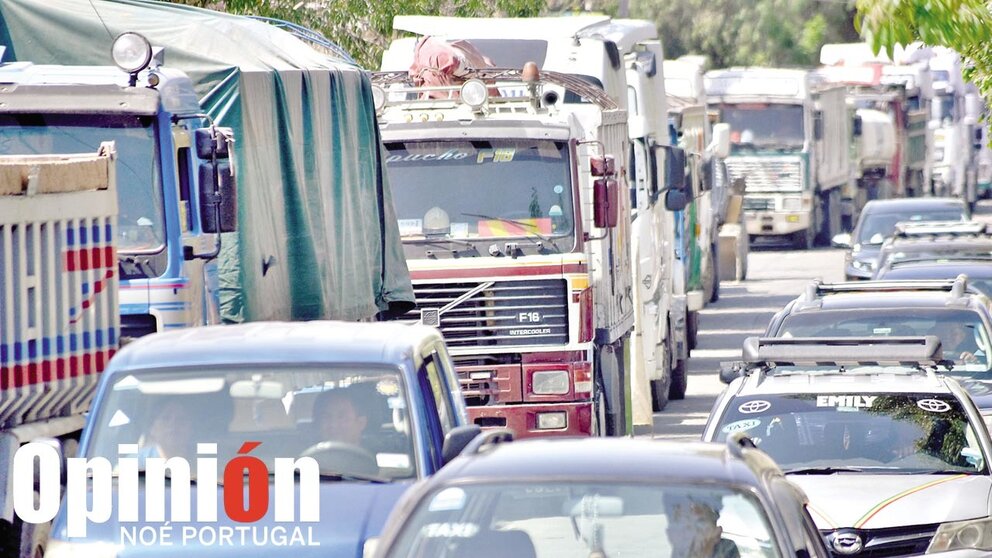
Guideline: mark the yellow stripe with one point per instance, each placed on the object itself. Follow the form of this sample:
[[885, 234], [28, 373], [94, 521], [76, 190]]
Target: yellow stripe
[[825, 517], [874, 511]]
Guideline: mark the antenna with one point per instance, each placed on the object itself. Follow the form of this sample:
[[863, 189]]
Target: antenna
[[98, 16]]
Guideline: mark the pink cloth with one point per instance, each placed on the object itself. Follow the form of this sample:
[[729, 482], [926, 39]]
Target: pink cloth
[[437, 62]]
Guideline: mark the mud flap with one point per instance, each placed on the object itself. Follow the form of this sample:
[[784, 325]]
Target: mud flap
[[611, 360]]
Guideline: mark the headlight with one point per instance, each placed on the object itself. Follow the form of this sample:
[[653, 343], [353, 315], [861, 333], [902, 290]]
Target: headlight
[[553, 382], [974, 534], [63, 549], [792, 204], [863, 265]]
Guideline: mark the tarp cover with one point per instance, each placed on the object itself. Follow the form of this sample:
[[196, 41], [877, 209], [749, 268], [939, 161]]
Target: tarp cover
[[317, 233]]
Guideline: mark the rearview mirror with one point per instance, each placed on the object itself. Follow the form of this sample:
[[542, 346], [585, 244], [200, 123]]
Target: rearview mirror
[[674, 168], [721, 140], [842, 240], [456, 440], [818, 125], [606, 201], [730, 371], [218, 198], [858, 126]]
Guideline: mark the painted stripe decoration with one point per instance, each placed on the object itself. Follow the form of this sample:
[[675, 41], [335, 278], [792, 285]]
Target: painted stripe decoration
[[85, 364], [830, 522], [98, 287], [889, 501], [85, 259]]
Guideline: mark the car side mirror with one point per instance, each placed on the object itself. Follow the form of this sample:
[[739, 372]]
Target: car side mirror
[[721, 140], [606, 202], [456, 440], [842, 240], [730, 371], [858, 126], [675, 200]]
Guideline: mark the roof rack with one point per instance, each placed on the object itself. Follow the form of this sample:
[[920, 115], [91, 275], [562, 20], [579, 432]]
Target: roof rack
[[836, 351], [956, 287], [912, 229], [488, 440], [492, 77]]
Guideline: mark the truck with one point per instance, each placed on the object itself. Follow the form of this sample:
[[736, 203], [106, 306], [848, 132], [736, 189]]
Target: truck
[[183, 259], [791, 140], [59, 325], [623, 58]]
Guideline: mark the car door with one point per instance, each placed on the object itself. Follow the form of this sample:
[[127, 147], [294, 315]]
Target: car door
[[440, 411]]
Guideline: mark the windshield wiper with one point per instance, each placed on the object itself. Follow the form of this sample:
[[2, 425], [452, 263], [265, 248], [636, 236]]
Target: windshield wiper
[[530, 234], [438, 241], [353, 477], [822, 470]]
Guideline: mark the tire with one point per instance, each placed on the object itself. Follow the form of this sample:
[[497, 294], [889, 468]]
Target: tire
[[680, 381], [715, 289], [691, 329], [660, 388]]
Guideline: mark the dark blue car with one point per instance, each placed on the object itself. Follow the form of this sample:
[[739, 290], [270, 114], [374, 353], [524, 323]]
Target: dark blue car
[[303, 436]]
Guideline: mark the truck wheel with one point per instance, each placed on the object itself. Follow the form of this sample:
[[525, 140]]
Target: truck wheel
[[691, 328], [660, 387], [680, 381], [715, 268], [805, 239]]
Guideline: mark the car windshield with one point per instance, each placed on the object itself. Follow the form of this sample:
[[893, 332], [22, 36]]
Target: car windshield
[[876, 227], [577, 519], [352, 420], [764, 125], [981, 278], [481, 189], [962, 332], [874, 432], [141, 221]]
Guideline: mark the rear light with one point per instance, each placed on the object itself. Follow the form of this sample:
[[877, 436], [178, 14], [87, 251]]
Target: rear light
[[585, 315], [583, 378], [553, 420], [550, 382]]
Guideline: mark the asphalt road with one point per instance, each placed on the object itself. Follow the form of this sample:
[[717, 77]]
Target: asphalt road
[[776, 276]]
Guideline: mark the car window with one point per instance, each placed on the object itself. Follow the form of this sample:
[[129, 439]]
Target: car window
[[962, 332], [440, 392], [577, 519], [351, 419], [877, 432], [876, 227]]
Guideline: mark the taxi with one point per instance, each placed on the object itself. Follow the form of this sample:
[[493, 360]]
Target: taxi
[[892, 454]]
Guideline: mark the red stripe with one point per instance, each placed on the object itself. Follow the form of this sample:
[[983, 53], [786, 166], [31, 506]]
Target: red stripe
[[89, 258], [31, 373], [495, 272]]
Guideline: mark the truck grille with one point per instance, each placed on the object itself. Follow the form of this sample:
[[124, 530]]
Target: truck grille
[[768, 174], [495, 313], [759, 204]]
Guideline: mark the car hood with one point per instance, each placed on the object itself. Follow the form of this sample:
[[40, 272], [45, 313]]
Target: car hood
[[863, 501], [350, 513]]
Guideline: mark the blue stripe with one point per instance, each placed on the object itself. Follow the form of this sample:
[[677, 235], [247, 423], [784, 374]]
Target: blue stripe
[[15, 352], [174, 326], [96, 234], [86, 289], [70, 237], [108, 233], [82, 236]]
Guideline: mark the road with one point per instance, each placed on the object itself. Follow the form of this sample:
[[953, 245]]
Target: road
[[776, 276]]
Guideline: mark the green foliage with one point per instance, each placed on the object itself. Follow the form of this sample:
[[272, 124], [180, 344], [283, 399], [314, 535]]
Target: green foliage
[[364, 27], [749, 32], [963, 25]]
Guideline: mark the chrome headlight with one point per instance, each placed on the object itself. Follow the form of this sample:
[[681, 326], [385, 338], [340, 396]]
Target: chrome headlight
[[64, 549], [960, 535], [551, 382]]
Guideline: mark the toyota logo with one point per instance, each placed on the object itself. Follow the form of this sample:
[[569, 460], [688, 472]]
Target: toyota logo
[[752, 407], [933, 405], [847, 543]]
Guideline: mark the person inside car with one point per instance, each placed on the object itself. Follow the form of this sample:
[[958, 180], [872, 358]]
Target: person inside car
[[338, 418], [694, 532], [960, 345]]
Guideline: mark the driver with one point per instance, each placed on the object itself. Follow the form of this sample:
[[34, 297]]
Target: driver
[[959, 343], [693, 530], [338, 418]]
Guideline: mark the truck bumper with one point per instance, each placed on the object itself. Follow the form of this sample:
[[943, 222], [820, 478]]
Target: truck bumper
[[777, 222], [525, 419]]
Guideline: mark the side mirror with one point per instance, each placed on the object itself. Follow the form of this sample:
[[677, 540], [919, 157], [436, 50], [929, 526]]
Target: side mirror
[[730, 371], [858, 126], [675, 168], [218, 198], [977, 143], [675, 200], [211, 142], [721, 140], [456, 440], [818, 125], [602, 166], [606, 202], [842, 240]]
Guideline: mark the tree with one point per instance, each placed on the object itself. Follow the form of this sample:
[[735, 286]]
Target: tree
[[749, 32], [963, 25], [364, 28]]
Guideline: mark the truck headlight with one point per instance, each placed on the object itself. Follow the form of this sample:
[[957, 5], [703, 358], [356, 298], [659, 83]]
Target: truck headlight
[[64, 549], [792, 204], [973, 534], [551, 382], [553, 420]]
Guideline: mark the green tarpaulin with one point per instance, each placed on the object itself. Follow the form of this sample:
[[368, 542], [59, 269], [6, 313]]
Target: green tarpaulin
[[317, 235]]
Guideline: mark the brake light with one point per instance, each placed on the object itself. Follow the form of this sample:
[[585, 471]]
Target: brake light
[[582, 377], [585, 315]]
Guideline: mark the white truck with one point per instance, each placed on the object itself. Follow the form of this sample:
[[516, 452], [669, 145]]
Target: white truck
[[623, 59], [59, 324], [791, 140]]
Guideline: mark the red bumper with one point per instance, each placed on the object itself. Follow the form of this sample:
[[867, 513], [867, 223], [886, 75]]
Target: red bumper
[[523, 419]]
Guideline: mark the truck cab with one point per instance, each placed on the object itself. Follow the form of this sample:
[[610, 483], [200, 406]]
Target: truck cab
[[791, 140], [175, 185]]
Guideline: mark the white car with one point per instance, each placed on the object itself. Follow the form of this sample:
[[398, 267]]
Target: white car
[[893, 455]]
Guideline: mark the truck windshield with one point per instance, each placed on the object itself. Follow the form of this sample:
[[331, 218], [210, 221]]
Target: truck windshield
[[352, 420], [481, 189], [141, 219], [557, 519], [762, 125]]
